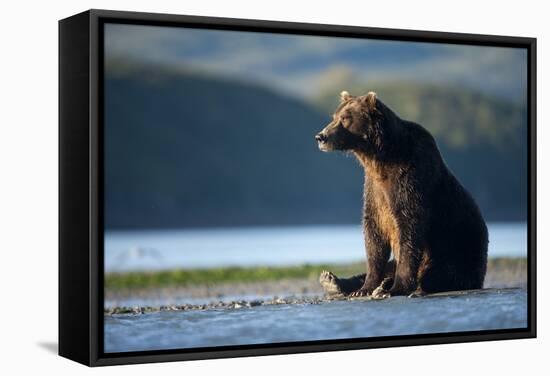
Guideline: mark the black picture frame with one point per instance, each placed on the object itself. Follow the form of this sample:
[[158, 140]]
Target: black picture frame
[[81, 196]]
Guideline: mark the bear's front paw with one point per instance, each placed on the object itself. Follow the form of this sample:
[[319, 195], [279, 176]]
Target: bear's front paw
[[380, 293]]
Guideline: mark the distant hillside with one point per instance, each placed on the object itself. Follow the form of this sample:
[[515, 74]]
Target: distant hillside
[[185, 149]]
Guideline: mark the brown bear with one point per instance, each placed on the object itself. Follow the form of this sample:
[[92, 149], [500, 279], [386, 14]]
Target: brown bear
[[414, 208]]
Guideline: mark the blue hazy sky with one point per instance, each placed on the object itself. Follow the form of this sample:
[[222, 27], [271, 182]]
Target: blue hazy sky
[[306, 65]]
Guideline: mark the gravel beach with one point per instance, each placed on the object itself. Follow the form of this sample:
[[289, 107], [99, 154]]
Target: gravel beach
[[244, 294]]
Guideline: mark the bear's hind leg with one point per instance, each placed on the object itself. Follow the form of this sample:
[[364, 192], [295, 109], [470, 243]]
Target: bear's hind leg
[[332, 285]]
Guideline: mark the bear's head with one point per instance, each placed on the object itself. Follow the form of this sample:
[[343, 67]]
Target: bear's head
[[354, 126]]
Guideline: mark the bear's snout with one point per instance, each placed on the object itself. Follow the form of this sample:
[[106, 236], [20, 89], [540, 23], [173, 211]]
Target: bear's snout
[[321, 137]]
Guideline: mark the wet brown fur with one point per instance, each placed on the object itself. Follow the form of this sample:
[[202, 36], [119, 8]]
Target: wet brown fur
[[384, 217]]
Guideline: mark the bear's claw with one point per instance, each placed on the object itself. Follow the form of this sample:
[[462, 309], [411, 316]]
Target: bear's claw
[[359, 293]]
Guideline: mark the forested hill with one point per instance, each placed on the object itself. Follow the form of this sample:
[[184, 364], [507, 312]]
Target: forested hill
[[185, 149]]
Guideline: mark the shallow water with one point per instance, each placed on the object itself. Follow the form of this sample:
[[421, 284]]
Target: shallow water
[[501, 309], [252, 246]]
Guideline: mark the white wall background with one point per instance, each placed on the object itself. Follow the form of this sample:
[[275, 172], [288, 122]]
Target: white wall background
[[28, 185]]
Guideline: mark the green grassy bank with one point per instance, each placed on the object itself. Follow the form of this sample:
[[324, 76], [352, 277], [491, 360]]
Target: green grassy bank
[[193, 277]]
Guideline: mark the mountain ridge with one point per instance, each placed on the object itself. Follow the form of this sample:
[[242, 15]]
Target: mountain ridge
[[186, 149]]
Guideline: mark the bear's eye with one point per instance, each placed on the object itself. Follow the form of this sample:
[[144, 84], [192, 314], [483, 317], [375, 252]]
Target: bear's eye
[[345, 118]]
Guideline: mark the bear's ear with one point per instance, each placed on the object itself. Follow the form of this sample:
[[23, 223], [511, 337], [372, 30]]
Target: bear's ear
[[344, 96], [369, 100]]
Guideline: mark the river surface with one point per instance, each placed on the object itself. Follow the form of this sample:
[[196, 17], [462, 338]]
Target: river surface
[[264, 246], [497, 309]]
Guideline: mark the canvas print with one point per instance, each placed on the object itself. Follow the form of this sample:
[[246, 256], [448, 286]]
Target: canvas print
[[267, 188]]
